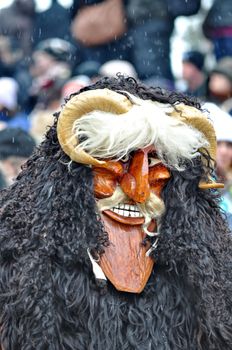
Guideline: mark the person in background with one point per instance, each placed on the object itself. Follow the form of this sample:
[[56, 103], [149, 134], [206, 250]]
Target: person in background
[[223, 128], [193, 73], [52, 58], [16, 145], [53, 22], [224, 163], [13, 65], [118, 48], [217, 27], [52, 94], [220, 84], [51, 61], [41, 117], [89, 69], [50, 69], [151, 24], [10, 55], [10, 115], [16, 22]]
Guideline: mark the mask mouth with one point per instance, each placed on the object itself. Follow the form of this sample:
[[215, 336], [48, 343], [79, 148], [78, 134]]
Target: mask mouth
[[122, 209], [126, 214], [127, 210]]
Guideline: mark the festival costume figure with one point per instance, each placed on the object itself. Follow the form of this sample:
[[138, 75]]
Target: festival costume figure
[[112, 237]]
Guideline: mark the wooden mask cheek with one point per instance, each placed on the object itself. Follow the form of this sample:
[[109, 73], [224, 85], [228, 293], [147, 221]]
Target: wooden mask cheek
[[104, 183], [106, 179], [158, 177]]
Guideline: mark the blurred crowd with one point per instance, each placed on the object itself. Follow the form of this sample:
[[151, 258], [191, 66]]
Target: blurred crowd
[[45, 56]]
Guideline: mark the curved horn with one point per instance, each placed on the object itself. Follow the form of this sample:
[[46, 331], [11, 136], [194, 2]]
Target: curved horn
[[209, 185], [101, 99], [197, 119]]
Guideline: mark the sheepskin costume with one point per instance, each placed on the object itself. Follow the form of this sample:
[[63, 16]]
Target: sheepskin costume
[[56, 290]]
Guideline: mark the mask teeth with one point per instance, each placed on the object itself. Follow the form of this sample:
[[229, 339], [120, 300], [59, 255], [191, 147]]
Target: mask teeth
[[127, 210]]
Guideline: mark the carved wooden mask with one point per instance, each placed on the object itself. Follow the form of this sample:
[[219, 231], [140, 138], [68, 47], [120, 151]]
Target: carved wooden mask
[[125, 262]]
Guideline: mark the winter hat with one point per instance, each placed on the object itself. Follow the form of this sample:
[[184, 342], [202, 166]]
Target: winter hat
[[8, 93], [222, 121], [224, 131], [59, 49], [15, 142], [194, 57], [224, 67], [111, 68], [89, 68]]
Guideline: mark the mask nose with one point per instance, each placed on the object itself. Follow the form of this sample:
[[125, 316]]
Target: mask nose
[[134, 182]]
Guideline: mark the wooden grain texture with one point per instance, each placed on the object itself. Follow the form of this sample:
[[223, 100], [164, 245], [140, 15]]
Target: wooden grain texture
[[125, 262], [135, 183]]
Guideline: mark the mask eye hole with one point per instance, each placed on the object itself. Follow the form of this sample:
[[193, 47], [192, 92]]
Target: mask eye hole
[[153, 161], [125, 158]]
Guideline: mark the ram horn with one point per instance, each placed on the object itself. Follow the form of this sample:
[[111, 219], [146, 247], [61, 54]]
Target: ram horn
[[100, 99], [197, 119]]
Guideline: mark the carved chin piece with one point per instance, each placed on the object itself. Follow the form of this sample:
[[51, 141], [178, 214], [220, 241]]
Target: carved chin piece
[[125, 262]]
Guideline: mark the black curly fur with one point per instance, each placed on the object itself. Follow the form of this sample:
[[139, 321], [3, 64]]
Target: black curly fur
[[48, 296]]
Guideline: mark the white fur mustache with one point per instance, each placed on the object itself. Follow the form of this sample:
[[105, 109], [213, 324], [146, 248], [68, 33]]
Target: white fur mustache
[[153, 208]]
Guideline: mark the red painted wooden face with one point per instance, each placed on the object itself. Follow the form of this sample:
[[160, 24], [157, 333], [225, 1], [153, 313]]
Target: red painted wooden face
[[140, 175], [125, 262]]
